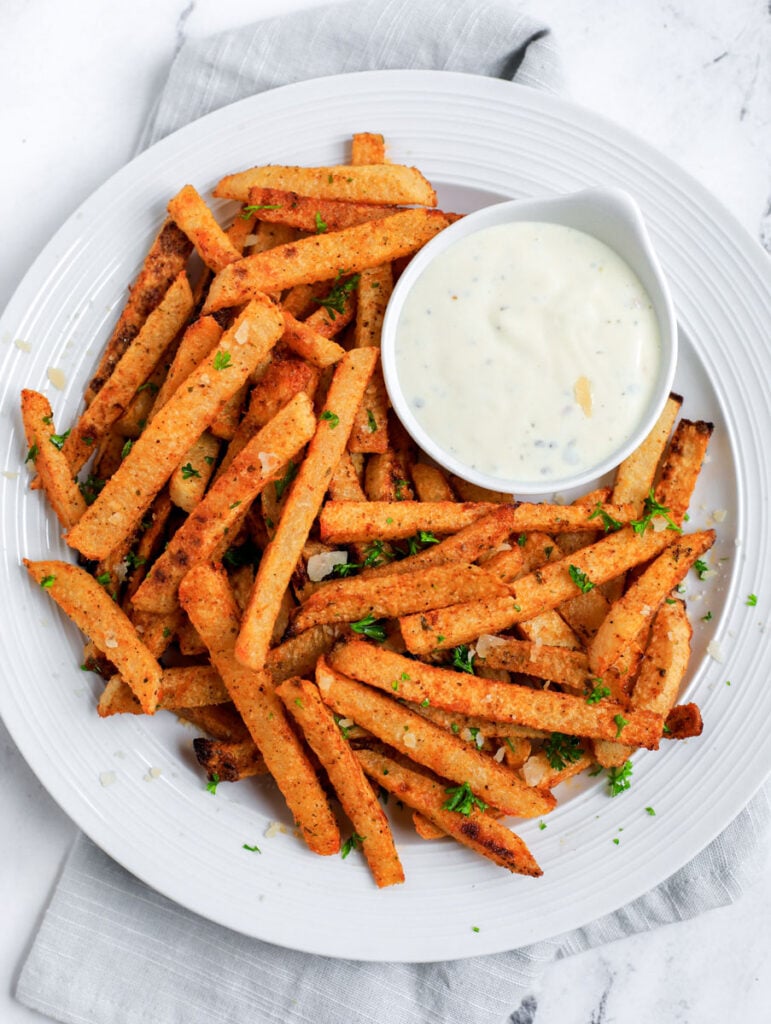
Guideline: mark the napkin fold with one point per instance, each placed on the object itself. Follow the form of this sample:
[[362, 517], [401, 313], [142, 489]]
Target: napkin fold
[[112, 951]]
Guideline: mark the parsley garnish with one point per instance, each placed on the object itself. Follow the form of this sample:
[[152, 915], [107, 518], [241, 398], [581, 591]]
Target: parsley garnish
[[133, 561], [251, 849], [103, 579], [343, 728], [371, 421], [47, 582], [148, 386], [608, 522], [455, 727], [463, 659], [247, 211], [343, 569], [188, 471], [48, 420], [597, 693], [462, 800], [542, 825], [474, 928], [333, 418], [701, 568], [90, 488], [282, 484], [649, 810], [221, 360], [352, 843], [425, 703], [620, 779], [399, 491], [522, 539], [375, 554], [32, 454], [581, 580], [334, 302], [620, 723], [651, 510], [707, 617], [321, 224], [752, 600], [369, 626], [212, 784], [126, 448], [562, 750], [57, 440], [298, 703], [426, 537]]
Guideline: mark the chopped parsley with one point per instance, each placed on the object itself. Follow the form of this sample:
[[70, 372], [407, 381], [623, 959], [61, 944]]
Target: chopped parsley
[[126, 448], [251, 849], [522, 539], [32, 454], [321, 224], [608, 522], [620, 723], [252, 208], [212, 784], [426, 537], [425, 703], [463, 659], [707, 617], [399, 486], [209, 460], [581, 580], [353, 842], [298, 703], [598, 692], [617, 841], [343, 728], [103, 579], [455, 727], [221, 360], [48, 420], [542, 825], [332, 417], [47, 582], [343, 569], [701, 568], [752, 600], [562, 750], [620, 779], [369, 626], [474, 928], [147, 386], [462, 800], [334, 302], [188, 471], [282, 484], [651, 510], [90, 488], [57, 440], [371, 421], [375, 554], [649, 810]]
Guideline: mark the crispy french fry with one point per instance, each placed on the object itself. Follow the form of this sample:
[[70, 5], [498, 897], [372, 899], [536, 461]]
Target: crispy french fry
[[188, 686], [431, 483], [50, 462], [191, 215], [94, 612], [207, 599], [310, 344], [314, 718], [185, 416], [635, 475], [304, 500], [367, 148], [557, 664], [378, 184], [220, 721], [229, 760], [665, 660], [323, 257], [500, 702], [307, 213], [429, 745], [427, 829], [225, 423], [189, 481], [343, 521], [681, 467], [196, 541], [477, 830], [200, 339], [683, 721], [165, 260]]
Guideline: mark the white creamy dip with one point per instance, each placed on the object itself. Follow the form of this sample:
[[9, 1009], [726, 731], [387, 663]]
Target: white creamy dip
[[528, 351]]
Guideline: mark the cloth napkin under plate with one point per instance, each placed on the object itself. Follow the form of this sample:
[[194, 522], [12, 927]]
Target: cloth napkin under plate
[[112, 951]]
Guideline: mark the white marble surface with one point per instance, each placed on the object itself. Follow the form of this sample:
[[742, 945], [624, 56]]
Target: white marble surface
[[693, 77]]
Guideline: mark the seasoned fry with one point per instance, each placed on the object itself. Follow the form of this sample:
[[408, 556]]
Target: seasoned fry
[[309, 343], [665, 660], [190, 686], [635, 475], [378, 184], [200, 338], [431, 484], [368, 148], [229, 760], [44, 452], [302, 505], [681, 466], [342, 521], [477, 830], [191, 215], [261, 462], [307, 213], [95, 613], [120, 506], [429, 745], [189, 481], [557, 664], [323, 257], [305, 705], [683, 721], [208, 601]]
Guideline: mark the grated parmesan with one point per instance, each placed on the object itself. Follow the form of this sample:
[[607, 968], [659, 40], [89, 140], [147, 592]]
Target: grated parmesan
[[275, 828], [242, 334], [268, 462], [715, 651], [107, 778], [322, 565], [57, 377], [110, 640], [486, 642]]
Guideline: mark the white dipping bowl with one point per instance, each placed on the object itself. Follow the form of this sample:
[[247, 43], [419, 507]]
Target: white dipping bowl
[[613, 217]]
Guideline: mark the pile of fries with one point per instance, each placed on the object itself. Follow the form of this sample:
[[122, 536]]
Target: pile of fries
[[265, 553]]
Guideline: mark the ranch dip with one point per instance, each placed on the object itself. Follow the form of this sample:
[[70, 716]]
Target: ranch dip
[[528, 351]]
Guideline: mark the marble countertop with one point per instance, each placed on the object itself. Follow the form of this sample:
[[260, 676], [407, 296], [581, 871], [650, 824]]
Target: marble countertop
[[694, 79]]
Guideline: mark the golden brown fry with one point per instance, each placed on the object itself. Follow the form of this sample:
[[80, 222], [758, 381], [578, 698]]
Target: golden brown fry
[[200, 338], [665, 660], [342, 521], [635, 475], [189, 481], [120, 506], [274, 205], [189, 686], [135, 366], [225, 423], [95, 613], [197, 540], [431, 483], [355, 794], [44, 452], [298, 655], [477, 830], [309, 343], [165, 260], [323, 257], [556, 664], [682, 464], [430, 745], [500, 702], [368, 148], [304, 500], [207, 599], [378, 184], [221, 721], [229, 760], [191, 215]]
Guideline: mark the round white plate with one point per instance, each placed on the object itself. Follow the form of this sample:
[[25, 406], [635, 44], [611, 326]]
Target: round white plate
[[480, 140]]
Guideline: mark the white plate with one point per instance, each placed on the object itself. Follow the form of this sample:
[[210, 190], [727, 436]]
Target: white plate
[[481, 140]]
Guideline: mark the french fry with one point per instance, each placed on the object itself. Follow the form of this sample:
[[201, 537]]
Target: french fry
[[665, 660], [165, 260], [304, 500], [200, 338], [430, 745], [190, 686], [314, 718], [94, 612], [307, 213], [556, 664], [309, 343], [189, 481], [225, 423], [44, 451], [368, 148], [323, 257], [427, 829], [430, 483], [121, 504], [191, 215], [378, 184], [683, 721], [635, 475], [229, 760], [343, 521], [549, 628], [681, 466], [479, 831], [220, 721], [500, 702], [197, 540], [208, 601]]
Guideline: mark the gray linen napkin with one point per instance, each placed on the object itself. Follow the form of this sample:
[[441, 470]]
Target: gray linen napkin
[[112, 951]]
